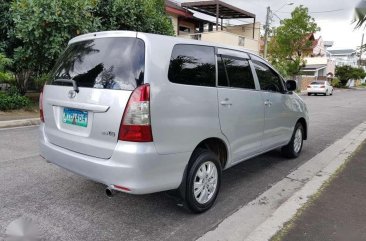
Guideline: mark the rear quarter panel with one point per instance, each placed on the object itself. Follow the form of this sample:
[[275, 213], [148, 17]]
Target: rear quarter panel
[[181, 115]]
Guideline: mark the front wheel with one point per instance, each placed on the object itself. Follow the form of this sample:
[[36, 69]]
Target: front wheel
[[203, 181], [294, 147]]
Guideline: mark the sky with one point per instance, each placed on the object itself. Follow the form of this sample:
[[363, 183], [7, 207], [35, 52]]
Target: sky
[[334, 17]]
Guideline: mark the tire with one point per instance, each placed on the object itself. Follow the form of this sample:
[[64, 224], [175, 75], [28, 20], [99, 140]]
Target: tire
[[309, 94], [202, 160], [292, 150]]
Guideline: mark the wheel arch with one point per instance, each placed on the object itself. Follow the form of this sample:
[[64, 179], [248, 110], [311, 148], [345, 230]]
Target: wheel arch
[[302, 121], [214, 144]]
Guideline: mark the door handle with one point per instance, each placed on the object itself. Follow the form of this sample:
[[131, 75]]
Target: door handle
[[226, 102], [268, 103]]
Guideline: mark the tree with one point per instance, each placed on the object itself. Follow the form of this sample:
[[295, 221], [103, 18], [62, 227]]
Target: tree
[[290, 42], [5, 76], [33, 33], [345, 73], [43, 28], [135, 15]]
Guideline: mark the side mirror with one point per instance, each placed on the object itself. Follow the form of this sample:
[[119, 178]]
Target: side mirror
[[291, 85]]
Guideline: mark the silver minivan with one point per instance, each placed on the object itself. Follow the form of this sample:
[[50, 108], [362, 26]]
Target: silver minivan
[[144, 113]]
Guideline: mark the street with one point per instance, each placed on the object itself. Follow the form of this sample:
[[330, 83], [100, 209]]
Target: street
[[68, 207]]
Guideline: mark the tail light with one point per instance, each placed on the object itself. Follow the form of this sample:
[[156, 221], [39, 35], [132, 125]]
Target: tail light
[[41, 115], [136, 125], [322, 86], [309, 86]]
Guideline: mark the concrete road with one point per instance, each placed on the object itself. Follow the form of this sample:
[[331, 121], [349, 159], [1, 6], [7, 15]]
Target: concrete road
[[70, 207]]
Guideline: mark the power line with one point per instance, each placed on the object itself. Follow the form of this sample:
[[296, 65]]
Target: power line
[[328, 11]]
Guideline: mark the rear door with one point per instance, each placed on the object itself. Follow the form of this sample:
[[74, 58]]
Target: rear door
[[241, 108], [86, 118]]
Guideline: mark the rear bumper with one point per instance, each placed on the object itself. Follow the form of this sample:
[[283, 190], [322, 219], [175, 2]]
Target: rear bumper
[[136, 166], [317, 91]]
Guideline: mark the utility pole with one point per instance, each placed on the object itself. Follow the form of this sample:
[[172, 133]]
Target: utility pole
[[266, 31], [361, 48]]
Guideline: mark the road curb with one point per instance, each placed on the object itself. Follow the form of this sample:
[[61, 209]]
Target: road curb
[[266, 215], [21, 122]]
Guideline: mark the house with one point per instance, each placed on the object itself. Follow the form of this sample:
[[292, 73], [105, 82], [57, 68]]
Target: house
[[344, 57], [318, 64], [187, 25]]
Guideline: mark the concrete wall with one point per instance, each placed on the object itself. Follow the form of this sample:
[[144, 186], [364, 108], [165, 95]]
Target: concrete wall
[[174, 19], [223, 37], [246, 30]]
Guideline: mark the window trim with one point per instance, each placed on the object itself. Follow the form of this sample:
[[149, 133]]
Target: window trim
[[273, 70], [227, 76]]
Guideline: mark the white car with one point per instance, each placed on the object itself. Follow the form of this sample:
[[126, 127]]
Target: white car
[[320, 87]]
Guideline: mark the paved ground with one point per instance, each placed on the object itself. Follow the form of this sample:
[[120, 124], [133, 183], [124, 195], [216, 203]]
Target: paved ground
[[69, 207], [339, 213], [18, 115]]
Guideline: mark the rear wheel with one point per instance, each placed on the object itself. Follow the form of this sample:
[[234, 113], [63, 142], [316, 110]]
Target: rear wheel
[[309, 94], [294, 147], [203, 181]]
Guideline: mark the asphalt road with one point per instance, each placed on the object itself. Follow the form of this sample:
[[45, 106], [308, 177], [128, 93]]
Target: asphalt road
[[69, 207]]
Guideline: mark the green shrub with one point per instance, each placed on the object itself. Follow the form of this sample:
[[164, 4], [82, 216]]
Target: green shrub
[[336, 83], [13, 102], [40, 81], [12, 91]]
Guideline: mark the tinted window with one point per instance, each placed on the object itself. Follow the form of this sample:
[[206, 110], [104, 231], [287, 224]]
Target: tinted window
[[318, 83], [235, 72], [105, 63], [192, 65], [268, 79]]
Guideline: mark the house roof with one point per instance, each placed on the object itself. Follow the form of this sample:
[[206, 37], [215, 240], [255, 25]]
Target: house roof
[[312, 67], [175, 8], [342, 52], [226, 11]]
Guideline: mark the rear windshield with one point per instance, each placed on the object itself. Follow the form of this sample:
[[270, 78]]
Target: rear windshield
[[318, 83], [105, 63]]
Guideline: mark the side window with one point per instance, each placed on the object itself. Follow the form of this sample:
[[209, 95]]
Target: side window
[[268, 79], [235, 72], [192, 65]]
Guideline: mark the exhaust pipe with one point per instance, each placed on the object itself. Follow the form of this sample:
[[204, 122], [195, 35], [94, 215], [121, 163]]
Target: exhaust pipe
[[109, 191]]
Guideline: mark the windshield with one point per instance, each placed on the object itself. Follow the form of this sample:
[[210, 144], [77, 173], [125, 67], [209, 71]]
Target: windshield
[[105, 63]]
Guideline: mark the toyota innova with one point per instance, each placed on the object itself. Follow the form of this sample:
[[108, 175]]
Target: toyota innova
[[144, 113]]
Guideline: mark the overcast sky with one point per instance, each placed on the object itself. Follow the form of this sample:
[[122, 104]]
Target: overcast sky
[[334, 20]]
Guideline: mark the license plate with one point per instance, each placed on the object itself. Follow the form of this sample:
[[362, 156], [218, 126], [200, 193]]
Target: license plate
[[75, 117]]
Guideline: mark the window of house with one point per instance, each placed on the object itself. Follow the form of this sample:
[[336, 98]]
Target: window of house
[[268, 79], [235, 72], [184, 29], [192, 65]]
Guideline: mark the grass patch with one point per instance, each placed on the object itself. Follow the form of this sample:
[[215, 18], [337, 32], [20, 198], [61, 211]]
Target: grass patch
[[288, 226]]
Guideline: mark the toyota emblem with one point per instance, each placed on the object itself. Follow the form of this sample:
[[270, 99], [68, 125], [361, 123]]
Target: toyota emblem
[[72, 94]]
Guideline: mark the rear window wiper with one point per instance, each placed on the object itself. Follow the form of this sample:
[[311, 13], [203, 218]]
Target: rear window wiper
[[70, 81]]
